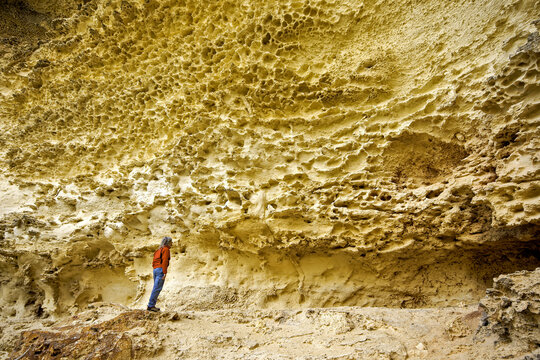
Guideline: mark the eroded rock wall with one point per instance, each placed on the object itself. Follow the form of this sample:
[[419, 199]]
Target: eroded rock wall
[[512, 311], [300, 153]]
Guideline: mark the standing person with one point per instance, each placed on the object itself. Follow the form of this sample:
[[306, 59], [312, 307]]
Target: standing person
[[162, 256]]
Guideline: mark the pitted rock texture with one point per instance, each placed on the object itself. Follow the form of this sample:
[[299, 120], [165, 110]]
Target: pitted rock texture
[[512, 310], [300, 153]]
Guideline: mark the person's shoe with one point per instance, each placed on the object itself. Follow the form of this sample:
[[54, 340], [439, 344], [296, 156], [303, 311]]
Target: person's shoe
[[153, 308]]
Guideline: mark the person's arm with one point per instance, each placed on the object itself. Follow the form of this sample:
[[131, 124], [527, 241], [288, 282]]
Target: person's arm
[[166, 255]]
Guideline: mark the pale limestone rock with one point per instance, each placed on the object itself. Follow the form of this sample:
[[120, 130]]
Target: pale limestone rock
[[512, 308], [300, 153]]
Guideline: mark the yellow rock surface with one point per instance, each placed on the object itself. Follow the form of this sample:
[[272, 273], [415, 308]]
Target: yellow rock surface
[[300, 153]]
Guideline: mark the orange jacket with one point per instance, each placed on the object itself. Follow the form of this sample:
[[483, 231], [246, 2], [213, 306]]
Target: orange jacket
[[161, 258]]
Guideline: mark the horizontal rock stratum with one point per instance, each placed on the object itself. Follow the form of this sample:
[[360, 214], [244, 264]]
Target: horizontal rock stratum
[[300, 153]]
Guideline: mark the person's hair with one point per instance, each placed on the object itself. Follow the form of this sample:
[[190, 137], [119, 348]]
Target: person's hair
[[166, 241]]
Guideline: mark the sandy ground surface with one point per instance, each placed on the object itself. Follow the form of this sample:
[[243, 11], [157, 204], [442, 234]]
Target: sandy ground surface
[[109, 331]]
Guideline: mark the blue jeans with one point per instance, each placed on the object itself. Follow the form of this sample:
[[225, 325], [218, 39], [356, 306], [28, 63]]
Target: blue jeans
[[158, 285]]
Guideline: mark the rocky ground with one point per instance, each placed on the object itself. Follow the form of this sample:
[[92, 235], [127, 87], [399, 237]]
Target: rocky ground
[[337, 333]]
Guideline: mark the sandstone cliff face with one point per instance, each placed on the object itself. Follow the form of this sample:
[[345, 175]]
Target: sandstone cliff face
[[300, 153]]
